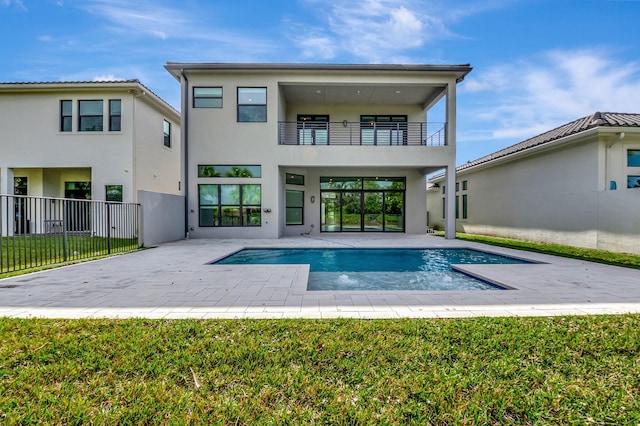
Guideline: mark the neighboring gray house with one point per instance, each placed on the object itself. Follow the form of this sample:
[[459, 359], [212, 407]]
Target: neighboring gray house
[[578, 184], [285, 149]]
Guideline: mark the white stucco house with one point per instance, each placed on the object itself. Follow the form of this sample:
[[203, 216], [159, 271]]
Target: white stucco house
[[274, 150], [112, 141], [578, 184]]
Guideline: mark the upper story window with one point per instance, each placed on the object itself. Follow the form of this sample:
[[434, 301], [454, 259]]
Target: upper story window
[[115, 115], [90, 119], [66, 115], [633, 158], [167, 134], [252, 104], [207, 97]]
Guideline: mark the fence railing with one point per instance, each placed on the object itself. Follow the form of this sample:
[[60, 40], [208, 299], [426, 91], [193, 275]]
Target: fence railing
[[39, 231], [366, 134]]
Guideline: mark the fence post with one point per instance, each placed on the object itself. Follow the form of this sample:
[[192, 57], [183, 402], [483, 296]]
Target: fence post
[[65, 216], [108, 205]]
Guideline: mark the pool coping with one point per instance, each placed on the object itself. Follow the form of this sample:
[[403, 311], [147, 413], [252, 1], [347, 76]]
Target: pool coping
[[175, 280]]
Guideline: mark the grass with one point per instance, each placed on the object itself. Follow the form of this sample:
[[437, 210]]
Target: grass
[[560, 370], [601, 256], [33, 252]]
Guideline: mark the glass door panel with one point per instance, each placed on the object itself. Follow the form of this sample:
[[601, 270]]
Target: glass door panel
[[373, 220], [394, 211], [330, 212], [351, 211]]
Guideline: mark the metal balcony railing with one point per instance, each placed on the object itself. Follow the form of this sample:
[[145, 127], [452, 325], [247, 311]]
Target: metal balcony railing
[[366, 134]]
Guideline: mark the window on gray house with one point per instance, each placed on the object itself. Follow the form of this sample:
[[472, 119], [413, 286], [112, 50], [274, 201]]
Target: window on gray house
[[252, 104], [207, 97], [167, 133], [66, 116], [90, 116], [115, 115]]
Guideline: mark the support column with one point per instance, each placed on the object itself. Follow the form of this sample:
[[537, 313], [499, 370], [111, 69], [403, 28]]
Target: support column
[[450, 194], [6, 204]]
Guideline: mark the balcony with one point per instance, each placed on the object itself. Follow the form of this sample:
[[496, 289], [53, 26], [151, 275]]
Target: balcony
[[362, 133]]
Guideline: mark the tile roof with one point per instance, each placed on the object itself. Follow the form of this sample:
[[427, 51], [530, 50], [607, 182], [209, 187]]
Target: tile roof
[[598, 119], [87, 83]]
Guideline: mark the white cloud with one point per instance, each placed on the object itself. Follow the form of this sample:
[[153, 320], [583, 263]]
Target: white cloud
[[373, 30], [17, 3], [537, 94], [142, 16], [106, 77]]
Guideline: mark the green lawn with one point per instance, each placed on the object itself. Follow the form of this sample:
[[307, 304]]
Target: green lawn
[[560, 371], [601, 256], [35, 251]]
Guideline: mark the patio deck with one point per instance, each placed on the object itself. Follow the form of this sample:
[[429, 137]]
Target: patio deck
[[175, 280]]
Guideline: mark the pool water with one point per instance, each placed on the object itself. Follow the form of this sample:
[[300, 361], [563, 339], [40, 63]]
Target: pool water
[[378, 269]]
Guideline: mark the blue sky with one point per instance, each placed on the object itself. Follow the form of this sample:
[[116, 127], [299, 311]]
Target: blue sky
[[537, 63]]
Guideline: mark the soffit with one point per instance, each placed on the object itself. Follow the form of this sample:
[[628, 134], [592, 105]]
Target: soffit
[[361, 94]]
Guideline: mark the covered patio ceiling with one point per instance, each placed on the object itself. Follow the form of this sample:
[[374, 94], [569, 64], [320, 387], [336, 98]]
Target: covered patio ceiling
[[424, 95]]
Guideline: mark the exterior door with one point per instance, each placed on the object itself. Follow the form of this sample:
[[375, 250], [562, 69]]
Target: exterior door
[[77, 213], [313, 129], [373, 204], [330, 212]]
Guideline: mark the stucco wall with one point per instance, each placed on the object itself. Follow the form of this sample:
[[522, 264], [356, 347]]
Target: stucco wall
[[557, 196], [162, 217]]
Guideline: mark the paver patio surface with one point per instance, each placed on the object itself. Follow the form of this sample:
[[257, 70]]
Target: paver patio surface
[[175, 280]]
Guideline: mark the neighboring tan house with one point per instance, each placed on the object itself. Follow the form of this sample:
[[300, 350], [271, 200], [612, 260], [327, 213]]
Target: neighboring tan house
[[287, 149], [577, 185], [87, 140]]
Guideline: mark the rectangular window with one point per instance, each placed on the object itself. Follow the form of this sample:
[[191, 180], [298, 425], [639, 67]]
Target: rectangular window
[[464, 206], [207, 97], [464, 185], [167, 134], [294, 179], [633, 181], [113, 193], [457, 207], [252, 104], [294, 207], [457, 186], [633, 158], [90, 116], [115, 115], [242, 171], [444, 207], [229, 205], [444, 187], [66, 117]]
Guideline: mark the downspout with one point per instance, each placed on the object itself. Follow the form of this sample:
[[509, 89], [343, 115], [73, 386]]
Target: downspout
[[185, 144], [606, 158]]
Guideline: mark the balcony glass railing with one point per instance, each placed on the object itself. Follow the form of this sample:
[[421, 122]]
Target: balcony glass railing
[[356, 133]]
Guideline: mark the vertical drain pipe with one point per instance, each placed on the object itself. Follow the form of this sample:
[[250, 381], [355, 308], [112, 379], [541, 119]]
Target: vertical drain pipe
[[185, 144]]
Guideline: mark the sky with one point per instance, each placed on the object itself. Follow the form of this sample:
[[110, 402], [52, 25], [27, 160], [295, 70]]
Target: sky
[[537, 64]]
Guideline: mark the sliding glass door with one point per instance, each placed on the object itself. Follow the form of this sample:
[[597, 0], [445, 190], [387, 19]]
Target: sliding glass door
[[350, 204]]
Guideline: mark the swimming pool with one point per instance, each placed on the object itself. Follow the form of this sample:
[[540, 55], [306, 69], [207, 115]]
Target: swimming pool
[[378, 269]]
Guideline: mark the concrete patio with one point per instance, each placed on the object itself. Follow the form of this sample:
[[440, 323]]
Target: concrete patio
[[175, 280]]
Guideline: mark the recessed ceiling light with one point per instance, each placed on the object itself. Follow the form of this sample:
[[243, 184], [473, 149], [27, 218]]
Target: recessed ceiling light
[[318, 91]]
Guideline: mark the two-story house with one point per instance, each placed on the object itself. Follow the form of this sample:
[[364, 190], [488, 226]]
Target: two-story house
[[87, 140], [274, 150]]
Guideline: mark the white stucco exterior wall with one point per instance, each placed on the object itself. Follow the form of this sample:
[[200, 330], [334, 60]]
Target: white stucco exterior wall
[[560, 194]]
